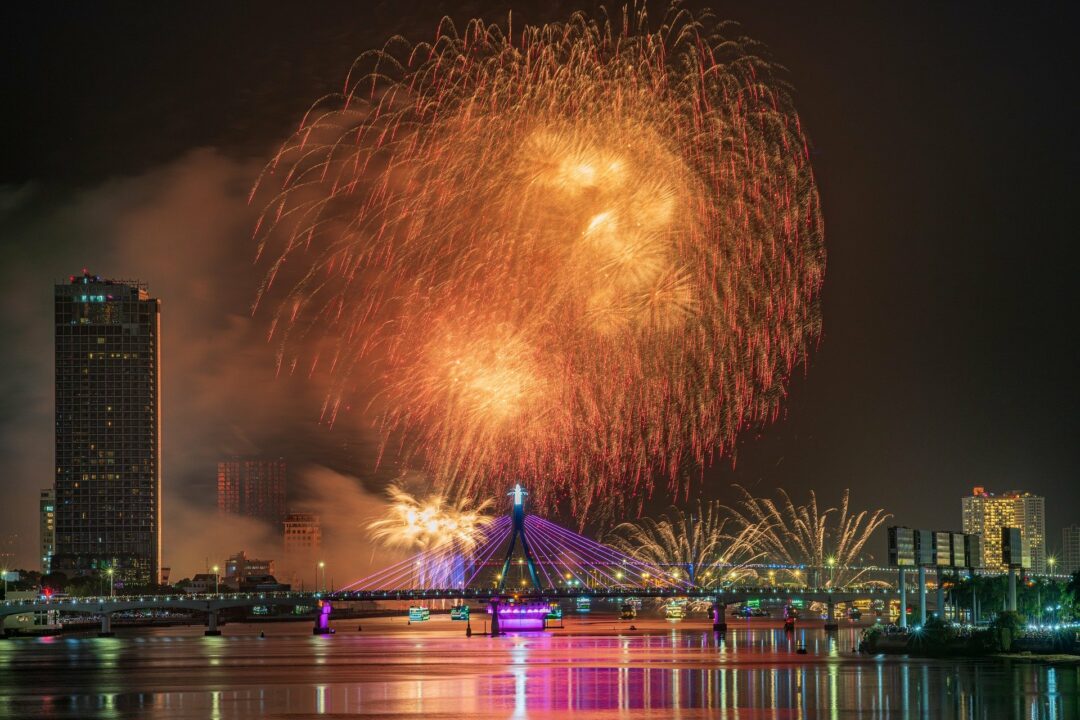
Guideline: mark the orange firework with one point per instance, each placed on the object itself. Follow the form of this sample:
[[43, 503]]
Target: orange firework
[[581, 255]]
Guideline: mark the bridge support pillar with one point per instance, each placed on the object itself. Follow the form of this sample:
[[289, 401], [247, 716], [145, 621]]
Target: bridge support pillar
[[974, 601], [211, 624], [495, 618], [902, 585], [1011, 607], [106, 626], [830, 620], [940, 594], [322, 619], [719, 624], [922, 596]]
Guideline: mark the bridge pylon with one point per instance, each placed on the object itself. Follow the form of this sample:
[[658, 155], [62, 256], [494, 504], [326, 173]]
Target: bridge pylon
[[517, 514]]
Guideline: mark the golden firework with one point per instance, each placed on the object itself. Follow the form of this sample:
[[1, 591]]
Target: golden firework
[[581, 255]]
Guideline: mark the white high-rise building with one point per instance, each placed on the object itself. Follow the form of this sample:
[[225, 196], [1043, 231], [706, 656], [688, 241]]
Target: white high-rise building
[[985, 514]]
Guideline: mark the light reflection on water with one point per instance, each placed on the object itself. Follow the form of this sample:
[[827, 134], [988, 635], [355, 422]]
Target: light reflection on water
[[433, 670]]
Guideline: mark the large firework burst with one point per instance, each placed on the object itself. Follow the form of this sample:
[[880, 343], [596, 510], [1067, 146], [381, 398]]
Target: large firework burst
[[696, 546], [828, 542], [582, 254]]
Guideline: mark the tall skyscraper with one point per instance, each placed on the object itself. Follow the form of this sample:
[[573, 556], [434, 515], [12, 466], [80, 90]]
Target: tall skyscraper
[[108, 428], [252, 487], [47, 510], [1070, 549], [985, 514]]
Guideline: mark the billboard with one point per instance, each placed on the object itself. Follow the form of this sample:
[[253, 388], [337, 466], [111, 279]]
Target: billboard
[[973, 552], [901, 546], [909, 547], [956, 540], [924, 548], [1015, 552], [942, 549]]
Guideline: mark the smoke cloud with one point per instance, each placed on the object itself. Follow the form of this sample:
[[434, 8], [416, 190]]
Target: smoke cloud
[[185, 230]]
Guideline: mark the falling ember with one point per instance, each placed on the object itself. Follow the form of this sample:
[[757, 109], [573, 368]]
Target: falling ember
[[828, 542], [578, 255], [697, 544]]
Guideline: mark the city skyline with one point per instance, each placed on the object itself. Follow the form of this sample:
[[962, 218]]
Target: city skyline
[[508, 358], [893, 403]]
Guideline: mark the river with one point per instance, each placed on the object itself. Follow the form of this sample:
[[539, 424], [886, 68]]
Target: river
[[595, 667]]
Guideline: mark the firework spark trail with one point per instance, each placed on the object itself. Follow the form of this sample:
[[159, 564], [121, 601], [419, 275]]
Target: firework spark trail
[[828, 541], [559, 553], [584, 255], [698, 543], [431, 522]]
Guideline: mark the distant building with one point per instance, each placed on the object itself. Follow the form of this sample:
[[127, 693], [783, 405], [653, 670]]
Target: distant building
[[985, 514], [1070, 549], [303, 534], [47, 508], [201, 584], [302, 546], [108, 428], [239, 568], [263, 583], [252, 487]]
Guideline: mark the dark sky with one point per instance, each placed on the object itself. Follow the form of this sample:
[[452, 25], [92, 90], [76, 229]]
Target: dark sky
[[944, 144]]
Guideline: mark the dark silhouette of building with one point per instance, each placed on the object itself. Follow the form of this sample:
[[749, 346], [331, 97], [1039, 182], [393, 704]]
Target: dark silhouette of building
[[239, 567], [253, 487], [108, 429]]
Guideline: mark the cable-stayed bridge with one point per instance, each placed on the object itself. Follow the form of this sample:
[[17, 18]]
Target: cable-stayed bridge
[[517, 562]]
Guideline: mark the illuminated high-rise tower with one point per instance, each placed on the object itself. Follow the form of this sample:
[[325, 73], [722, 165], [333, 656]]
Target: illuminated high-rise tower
[[985, 514], [108, 429]]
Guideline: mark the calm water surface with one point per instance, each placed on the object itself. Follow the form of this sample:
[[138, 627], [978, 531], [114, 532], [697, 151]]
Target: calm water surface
[[589, 669]]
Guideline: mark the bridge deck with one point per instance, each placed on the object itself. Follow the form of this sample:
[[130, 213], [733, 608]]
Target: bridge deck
[[222, 601]]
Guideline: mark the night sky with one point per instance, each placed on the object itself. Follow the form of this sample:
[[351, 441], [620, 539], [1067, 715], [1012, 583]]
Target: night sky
[[943, 142]]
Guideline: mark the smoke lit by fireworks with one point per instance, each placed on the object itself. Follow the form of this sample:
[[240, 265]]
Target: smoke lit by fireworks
[[581, 255], [697, 546], [431, 522], [827, 542]]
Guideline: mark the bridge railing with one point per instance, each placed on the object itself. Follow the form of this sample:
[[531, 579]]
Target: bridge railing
[[623, 591], [179, 597]]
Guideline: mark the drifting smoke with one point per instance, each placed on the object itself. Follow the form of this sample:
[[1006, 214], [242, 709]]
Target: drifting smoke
[[175, 228], [582, 255]]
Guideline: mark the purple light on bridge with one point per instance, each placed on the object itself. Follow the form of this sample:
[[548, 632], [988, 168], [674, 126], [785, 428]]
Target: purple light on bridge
[[527, 616], [322, 619]]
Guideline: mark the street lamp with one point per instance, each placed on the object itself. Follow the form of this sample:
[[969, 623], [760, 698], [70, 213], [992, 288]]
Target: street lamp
[[1051, 561], [322, 567], [216, 568], [3, 573], [112, 584], [832, 570]]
